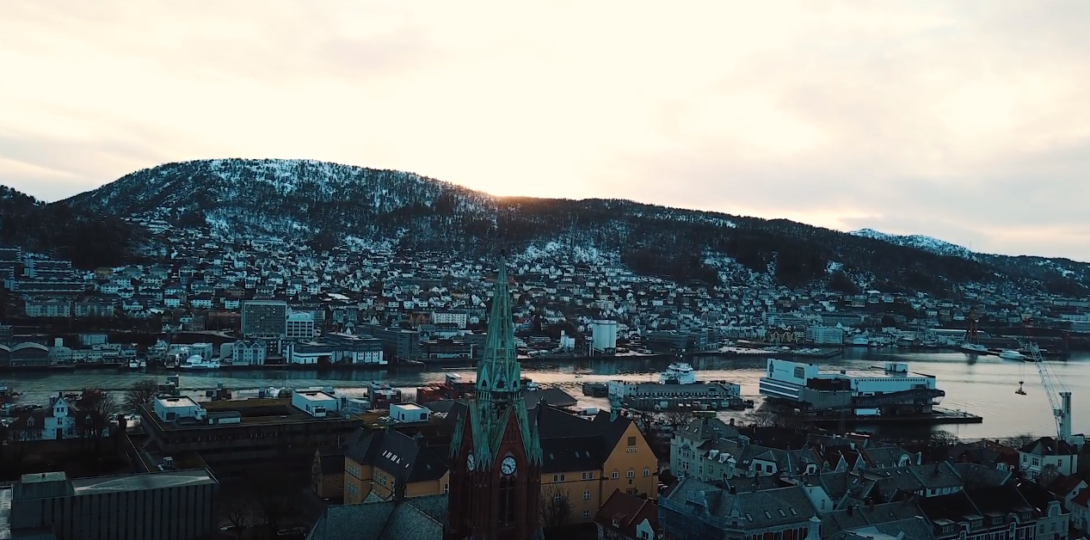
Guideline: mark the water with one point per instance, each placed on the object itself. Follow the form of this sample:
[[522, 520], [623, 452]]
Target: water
[[984, 386]]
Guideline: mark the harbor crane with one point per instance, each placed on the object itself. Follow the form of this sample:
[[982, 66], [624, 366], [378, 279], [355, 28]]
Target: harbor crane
[[1058, 393]]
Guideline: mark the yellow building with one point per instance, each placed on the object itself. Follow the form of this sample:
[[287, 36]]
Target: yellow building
[[389, 464], [586, 461]]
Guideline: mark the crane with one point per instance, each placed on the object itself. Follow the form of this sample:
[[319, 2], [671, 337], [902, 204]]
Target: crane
[[1058, 393]]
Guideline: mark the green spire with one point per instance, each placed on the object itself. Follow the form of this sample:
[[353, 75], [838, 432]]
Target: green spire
[[498, 374]]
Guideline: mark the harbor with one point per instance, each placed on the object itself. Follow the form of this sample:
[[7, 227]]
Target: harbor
[[984, 386]]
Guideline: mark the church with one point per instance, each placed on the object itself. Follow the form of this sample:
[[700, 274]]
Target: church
[[495, 454]]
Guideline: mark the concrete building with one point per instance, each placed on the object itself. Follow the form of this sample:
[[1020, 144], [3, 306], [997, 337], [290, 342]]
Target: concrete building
[[825, 335], [315, 403], [242, 436], [450, 317], [604, 336], [300, 325], [397, 343], [173, 505], [265, 319], [408, 413]]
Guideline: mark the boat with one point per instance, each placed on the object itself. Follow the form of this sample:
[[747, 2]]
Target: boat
[[678, 373], [973, 348], [197, 362], [1010, 354]]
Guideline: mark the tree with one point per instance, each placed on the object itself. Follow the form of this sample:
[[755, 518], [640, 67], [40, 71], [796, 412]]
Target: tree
[[676, 418], [1049, 473], [239, 510], [98, 408], [556, 507], [140, 393], [1019, 440]]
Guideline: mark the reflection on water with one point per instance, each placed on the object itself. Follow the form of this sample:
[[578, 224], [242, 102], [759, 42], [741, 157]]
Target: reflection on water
[[983, 386]]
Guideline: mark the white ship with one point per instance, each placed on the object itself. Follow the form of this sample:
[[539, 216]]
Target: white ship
[[973, 348], [1010, 354], [198, 362], [678, 373]]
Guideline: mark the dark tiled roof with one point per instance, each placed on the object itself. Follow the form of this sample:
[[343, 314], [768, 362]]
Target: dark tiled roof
[[400, 455], [411, 519], [625, 512], [1047, 446], [571, 454], [331, 461]]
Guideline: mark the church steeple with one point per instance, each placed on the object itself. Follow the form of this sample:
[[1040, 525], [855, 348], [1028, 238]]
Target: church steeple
[[498, 375]]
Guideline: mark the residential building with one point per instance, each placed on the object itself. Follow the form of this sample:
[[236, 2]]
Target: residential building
[[417, 518], [458, 319], [695, 510], [389, 464], [248, 353], [50, 308], [171, 505], [1050, 453], [627, 517], [825, 335]]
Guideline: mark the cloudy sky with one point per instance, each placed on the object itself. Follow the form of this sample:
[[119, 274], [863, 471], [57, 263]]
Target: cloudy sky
[[965, 120]]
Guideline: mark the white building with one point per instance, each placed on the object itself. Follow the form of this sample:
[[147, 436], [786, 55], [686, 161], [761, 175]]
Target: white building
[[314, 402], [171, 409], [205, 350], [603, 336], [300, 325], [1047, 452], [449, 317], [60, 421], [248, 353], [825, 335], [408, 413]]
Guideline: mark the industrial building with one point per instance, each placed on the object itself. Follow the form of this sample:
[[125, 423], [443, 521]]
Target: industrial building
[[237, 436], [604, 336], [169, 505], [873, 392]]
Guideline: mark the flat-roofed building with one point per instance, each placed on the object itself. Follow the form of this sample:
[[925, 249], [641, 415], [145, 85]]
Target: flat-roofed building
[[171, 505], [238, 436]]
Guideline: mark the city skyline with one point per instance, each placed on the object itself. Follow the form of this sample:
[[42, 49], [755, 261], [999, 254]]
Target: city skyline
[[959, 121]]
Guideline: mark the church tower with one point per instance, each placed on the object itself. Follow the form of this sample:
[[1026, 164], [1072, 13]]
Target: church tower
[[495, 469]]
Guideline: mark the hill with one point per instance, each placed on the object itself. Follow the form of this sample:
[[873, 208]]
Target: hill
[[326, 203], [87, 238]]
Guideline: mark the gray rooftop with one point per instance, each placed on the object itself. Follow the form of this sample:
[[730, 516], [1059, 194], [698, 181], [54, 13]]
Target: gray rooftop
[[140, 482]]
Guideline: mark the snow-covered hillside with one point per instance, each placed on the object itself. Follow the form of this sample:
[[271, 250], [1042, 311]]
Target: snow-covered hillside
[[926, 243]]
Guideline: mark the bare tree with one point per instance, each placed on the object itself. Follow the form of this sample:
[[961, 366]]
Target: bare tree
[[764, 417], [556, 507], [1019, 440], [98, 408], [676, 418], [140, 393], [238, 510], [1049, 474]]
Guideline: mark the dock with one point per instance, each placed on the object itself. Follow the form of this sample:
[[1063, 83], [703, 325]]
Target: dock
[[936, 417]]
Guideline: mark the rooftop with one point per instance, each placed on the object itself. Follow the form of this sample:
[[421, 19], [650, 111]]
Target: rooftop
[[171, 402], [315, 395], [141, 482]]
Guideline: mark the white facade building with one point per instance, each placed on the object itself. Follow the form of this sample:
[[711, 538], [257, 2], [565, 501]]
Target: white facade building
[[408, 413], [248, 353], [205, 350], [603, 336], [825, 335], [449, 317], [175, 408], [314, 402], [300, 325]]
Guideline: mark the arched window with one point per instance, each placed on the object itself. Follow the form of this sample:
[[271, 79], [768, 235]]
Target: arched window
[[507, 500]]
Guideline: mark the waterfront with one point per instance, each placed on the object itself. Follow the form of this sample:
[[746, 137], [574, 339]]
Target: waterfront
[[984, 386]]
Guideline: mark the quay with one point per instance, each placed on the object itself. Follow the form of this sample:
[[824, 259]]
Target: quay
[[936, 417]]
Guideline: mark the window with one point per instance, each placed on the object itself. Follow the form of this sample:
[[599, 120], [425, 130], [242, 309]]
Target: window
[[558, 478], [507, 500], [586, 514], [631, 441], [632, 474], [586, 495], [615, 475], [588, 476], [646, 472]]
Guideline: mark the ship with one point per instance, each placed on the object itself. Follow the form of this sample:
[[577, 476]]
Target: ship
[[197, 362], [1010, 354], [678, 373], [677, 389], [973, 348]]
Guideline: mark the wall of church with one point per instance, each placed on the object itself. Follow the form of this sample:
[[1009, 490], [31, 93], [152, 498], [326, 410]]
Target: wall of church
[[632, 467]]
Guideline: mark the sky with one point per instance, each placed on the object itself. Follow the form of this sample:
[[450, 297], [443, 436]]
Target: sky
[[964, 120]]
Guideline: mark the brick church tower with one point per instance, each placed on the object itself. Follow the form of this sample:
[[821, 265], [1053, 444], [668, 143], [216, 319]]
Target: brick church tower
[[495, 469]]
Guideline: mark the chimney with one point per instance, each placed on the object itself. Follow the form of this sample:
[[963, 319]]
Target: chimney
[[814, 529]]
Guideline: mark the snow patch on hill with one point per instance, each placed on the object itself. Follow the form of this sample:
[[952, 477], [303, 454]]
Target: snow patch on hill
[[918, 241]]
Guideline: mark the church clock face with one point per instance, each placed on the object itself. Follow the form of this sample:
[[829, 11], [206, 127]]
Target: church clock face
[[470, 462], [508, 465]]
